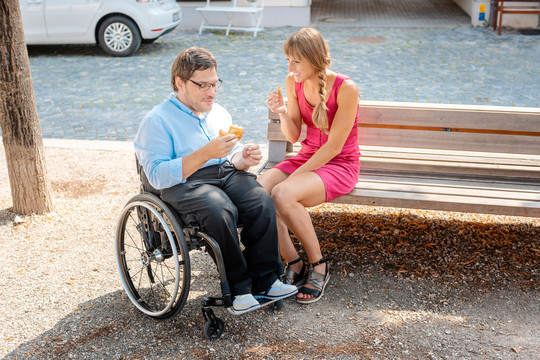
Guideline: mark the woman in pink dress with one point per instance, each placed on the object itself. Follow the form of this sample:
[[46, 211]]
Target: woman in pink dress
[[326, 167]]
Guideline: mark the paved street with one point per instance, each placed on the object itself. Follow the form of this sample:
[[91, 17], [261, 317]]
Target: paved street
[[83, 94]]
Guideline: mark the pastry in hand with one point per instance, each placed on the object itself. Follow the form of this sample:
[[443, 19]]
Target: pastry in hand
[[238, 131]]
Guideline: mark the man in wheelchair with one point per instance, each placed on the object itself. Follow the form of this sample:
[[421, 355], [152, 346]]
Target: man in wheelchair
[[202, 176]]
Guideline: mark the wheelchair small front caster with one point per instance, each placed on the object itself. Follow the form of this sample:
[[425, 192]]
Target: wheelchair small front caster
[[214, 328], [278, 305]]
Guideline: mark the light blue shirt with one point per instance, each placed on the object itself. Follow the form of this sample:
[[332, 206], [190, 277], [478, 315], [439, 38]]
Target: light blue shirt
[[171, 131]]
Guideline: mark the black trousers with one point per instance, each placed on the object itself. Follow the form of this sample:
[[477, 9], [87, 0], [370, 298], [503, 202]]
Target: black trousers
[[218, 198]]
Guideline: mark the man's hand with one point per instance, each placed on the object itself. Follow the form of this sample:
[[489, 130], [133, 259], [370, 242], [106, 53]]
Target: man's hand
[[251, 155], [220, 147]]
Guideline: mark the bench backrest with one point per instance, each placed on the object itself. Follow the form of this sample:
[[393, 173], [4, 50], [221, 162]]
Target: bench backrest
[[442, 127]]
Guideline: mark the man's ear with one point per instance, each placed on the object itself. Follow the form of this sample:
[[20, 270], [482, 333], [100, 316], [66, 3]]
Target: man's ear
[[179, 83]]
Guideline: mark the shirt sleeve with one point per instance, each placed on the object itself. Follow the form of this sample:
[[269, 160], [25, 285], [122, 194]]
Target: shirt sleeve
[[154, 150]]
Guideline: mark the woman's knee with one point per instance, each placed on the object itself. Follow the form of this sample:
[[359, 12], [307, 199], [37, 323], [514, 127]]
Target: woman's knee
[[283, 197], [271, 178]]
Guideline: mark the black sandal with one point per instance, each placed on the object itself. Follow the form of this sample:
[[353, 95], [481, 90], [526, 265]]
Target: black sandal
[[318, 280], [297, 279]]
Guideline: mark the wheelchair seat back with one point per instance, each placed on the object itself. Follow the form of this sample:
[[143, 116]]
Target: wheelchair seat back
[[145, 184]]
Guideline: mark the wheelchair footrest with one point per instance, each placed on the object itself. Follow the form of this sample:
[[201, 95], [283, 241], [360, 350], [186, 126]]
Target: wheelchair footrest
[[225, 301]]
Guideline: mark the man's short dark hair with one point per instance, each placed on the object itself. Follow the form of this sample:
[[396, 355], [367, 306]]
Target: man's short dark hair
[[189, 61]]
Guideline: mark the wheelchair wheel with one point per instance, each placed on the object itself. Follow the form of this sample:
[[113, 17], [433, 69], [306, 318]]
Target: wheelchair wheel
[[152, 257], [213, 329], [278, 305]]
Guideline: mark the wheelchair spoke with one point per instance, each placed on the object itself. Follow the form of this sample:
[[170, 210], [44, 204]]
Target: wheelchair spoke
[[128, 233], [160, 279]]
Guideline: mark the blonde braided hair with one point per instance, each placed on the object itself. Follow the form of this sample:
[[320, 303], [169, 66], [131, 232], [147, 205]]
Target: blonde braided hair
[[310, 45], [319, 117]]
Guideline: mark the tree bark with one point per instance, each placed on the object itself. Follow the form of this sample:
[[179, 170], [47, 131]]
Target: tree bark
[[21, 132]]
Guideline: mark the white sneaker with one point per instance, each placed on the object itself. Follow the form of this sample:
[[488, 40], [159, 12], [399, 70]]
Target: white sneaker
[[278, 290], [243, 304]]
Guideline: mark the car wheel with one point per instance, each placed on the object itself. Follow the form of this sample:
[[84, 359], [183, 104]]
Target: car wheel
[[119, 36]]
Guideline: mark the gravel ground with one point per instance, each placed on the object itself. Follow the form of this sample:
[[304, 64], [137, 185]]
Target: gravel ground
[[405, 284]]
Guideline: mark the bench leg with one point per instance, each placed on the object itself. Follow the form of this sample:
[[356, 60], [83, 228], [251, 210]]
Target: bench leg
[[500, 21], [258, 19], [230, 17], [203, 23], [277, 151], [496, 14]]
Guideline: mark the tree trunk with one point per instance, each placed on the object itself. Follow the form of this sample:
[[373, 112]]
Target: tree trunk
[[21, 132]]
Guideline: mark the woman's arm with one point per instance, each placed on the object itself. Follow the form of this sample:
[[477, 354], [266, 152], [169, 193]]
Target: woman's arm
[[347, 101], [290, 118], [291, 121]]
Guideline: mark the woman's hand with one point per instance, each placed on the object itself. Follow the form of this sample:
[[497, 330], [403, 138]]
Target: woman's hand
[[275, 102]]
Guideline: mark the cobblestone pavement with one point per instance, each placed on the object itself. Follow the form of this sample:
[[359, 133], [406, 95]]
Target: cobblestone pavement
[[83, 94]]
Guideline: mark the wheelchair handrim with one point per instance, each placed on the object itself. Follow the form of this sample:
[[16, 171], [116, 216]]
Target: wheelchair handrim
[[121, 265]]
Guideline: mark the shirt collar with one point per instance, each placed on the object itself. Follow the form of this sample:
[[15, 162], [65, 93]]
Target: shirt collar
[[184, 108]]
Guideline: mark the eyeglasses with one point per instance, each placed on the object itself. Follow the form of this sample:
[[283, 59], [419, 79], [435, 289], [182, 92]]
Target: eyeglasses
[[205, 87]]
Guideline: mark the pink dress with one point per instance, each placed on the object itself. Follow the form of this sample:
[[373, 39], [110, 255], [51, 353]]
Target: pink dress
[[340, 174]]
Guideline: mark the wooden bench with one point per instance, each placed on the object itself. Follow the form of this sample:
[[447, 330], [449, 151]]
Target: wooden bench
[[479, 159], [510, 7], [253, 10]]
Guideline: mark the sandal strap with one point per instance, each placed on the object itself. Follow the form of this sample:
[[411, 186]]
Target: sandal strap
[[294, 261], [292, 277], [316, 279], [322, 260], [314, 292]]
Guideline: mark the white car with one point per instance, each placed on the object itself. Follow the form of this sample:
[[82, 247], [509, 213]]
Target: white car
[[118, 26]]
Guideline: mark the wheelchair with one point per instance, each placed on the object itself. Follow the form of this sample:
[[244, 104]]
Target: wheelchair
[[152, 249]]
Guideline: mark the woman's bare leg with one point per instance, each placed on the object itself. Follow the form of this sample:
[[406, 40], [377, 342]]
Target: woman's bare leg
[[269, 180], [291, 198]]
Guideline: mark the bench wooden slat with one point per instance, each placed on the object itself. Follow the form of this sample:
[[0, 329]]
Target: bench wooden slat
[[453, 189], [496, 157], [452, 196], [477, 169], [449, 140], [443, 140], [489, 183], [440, 202], [469, 160], [492, 121]]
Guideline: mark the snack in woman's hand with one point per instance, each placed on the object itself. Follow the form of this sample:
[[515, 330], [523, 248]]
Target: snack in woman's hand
[[238, 131], [279, 90]]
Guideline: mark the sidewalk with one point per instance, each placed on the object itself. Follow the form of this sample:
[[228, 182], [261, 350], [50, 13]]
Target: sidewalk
[[405, 284]]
